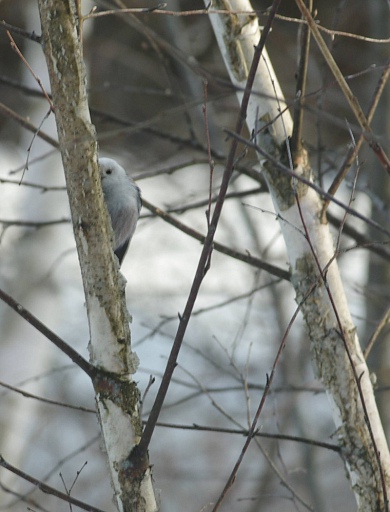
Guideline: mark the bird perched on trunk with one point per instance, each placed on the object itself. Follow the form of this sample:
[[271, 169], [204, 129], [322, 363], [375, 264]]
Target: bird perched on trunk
[[123, 200]]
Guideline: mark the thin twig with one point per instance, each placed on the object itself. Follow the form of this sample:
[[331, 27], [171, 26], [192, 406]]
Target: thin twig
[[25, 168], [254, 12], [43, 188], [383, 322], [21, 32], [282, 478], [362, 240], [46, 400], [211, 162], [78, 473], [33, 224], [246, 258], [205, 202], [200, 311], [23, 497], [243, 432], [355, 148], [207, 249], [204, 391], [46, 488], [307, 182], [351, 197], [252, 429], [300, 89], [25, 123], [14, 46], [350, 97]]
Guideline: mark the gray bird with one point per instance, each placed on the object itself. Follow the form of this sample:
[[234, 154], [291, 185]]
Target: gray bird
[[123, 200]]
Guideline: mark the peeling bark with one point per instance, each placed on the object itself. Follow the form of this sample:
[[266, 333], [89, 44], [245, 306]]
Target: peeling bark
[[116, 394], [337, 356]]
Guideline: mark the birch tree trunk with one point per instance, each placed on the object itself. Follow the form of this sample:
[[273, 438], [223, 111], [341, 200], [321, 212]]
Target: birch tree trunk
[[116, 394], [337, 355]]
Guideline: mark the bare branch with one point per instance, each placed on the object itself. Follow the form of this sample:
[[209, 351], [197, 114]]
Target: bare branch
[[46, 400], [19, 31], [241, 432], [26, 124], [46, 488], [351, 156], [309, 183], [382, 323], [246, 258], [351, 98], [300, 89], [50, 335]]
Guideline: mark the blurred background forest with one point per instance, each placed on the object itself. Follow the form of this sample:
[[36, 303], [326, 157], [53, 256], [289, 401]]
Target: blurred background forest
[[146, 82]]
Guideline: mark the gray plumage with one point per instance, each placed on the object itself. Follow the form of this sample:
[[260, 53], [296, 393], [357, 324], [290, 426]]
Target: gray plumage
[[123, 200]]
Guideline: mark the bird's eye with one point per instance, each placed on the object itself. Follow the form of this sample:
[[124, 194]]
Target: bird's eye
[[109, 171]]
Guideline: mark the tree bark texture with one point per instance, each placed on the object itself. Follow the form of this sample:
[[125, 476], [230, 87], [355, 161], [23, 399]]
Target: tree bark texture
[[337, 355], [116, 394]]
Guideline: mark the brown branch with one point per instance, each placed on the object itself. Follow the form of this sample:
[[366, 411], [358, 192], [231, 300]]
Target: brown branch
[[243, 432], [46, 488], [21, 32], [43, 188], [50, 335], [246, 258], [25, 394], [210, 160], [352, 153], [350, 97], [14, 46], [361, 240], [25, 123], [383, 322], [300, 90], [275, 162], [207, 249], [33, 224], [252, 429], [254, 12]]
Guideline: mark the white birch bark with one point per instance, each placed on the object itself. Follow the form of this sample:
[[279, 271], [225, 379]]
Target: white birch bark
[[237, 35], [116, 394]]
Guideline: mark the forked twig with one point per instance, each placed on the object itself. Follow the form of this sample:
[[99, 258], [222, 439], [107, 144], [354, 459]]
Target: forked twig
[[252, 430], [46, 488]]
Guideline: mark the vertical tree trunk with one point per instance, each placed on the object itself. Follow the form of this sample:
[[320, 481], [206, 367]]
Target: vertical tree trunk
[[337, 355], [117, 395]]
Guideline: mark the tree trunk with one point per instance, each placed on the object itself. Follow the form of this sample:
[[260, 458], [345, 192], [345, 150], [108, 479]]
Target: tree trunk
[[116, 394], [337, 356]]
